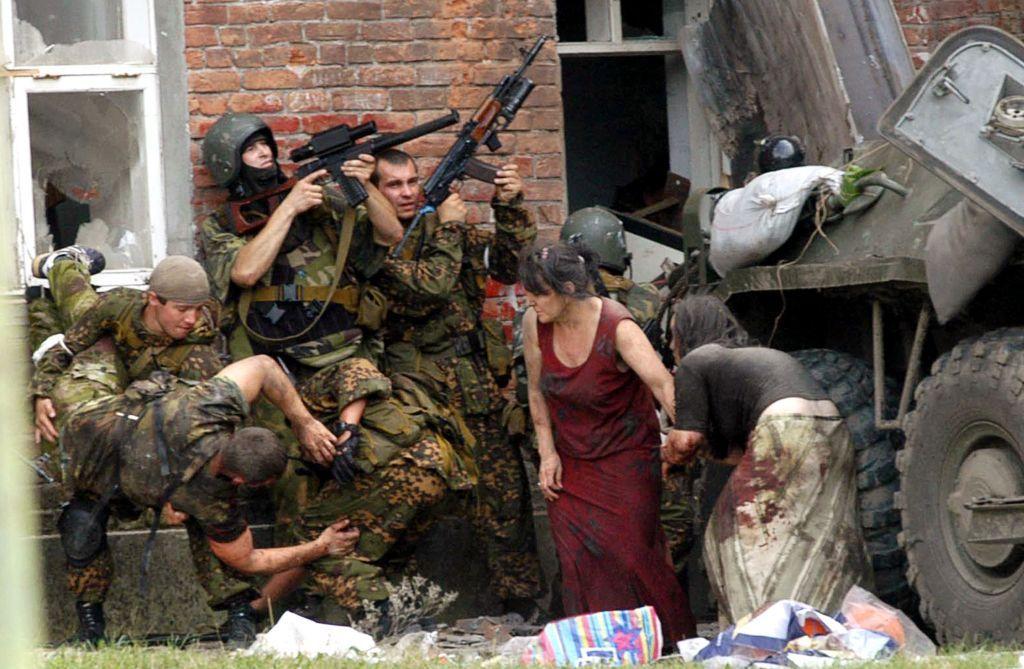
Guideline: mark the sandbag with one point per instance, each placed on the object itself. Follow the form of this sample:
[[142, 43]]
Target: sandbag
[[967, 247], [748, 224]]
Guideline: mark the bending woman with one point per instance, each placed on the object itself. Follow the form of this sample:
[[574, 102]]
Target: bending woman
[[592, 374]]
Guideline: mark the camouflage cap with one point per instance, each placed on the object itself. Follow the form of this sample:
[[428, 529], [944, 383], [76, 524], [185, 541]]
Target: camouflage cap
[[181, 279]]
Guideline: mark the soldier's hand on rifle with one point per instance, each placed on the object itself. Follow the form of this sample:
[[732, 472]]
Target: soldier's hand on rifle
[[360, 168], [305, 194], [318, 443], [339, 538], [508, 182], [453, 209], [45, 413]]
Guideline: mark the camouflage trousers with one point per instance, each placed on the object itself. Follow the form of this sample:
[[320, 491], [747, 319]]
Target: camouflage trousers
[[678, 517], [386, 505], [225, 587], [503, 516]]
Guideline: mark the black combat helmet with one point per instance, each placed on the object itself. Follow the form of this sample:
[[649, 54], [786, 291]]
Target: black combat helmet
[[224, 142], [780, 152]]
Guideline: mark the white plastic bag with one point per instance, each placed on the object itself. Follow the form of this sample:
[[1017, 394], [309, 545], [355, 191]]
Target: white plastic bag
[[295, 636], [750, 223]]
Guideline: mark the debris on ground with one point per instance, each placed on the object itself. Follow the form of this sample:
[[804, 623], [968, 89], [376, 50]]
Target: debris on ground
[[295, 636]]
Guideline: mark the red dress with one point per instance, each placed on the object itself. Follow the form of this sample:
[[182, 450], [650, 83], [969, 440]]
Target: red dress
[[605, 521]]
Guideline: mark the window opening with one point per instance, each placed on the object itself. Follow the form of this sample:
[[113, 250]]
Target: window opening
[[89, 174], [81, 32]]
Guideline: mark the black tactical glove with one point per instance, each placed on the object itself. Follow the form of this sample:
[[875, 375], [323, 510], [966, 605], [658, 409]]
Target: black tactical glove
[[344, 468]]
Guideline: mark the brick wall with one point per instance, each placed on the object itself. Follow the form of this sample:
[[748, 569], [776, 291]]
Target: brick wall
[[305, 66], [927, 22]]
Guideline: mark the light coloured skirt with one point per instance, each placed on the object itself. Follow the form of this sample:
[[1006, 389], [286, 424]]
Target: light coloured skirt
[[785, 525]]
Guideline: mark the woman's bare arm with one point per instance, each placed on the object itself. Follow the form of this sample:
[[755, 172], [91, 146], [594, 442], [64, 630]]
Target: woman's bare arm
[[636, 351]]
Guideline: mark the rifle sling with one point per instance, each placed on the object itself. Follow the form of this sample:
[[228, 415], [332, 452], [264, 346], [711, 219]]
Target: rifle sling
[[344, 245]]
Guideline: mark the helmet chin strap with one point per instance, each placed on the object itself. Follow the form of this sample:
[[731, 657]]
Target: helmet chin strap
[[255, 180]]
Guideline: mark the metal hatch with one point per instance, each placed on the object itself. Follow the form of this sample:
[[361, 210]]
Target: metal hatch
[[963, 118]]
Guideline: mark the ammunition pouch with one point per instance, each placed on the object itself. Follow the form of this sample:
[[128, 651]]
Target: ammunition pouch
[[497, 350], [83, 530], [372, 309]]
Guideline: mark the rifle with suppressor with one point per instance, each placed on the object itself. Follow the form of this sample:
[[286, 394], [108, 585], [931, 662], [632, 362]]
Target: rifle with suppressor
[[329, 150], [493, 116]]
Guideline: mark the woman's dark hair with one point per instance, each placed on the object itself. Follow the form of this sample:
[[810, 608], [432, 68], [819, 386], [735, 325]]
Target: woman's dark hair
[[255, 454], [546, 268], [704, 319]]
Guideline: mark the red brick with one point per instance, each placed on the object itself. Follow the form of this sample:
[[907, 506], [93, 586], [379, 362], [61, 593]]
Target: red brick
[[441, 50], [233, 36], [530, 28], [332, 54], [359, 53], [329, 77], [262, 79], [522, 121], [544, 96], [525, 165], [954, 9], [199, 127], [275, 33], [490, 74], [387, 75], [551, 214], [360, 99], [486, 28], [213, 82], [434, 28], [545, 189], [321, 122], [314, 100], [470, 51], [418, 98], [354, 10], [283, 125], [470, 8], [463, 97], [218, 58], [256, 103], [296, 54], [501, 50], [248, 12], [210, 105], [545, 119], [914, 14], [387, 31], [545, 8], [200, 36], [390, 122], [297, 11], [533, 144], [201, 178], [436, 144], [195, 59], [247, 58], [394, 9], [205, 15], [542, 73], [332, 30]]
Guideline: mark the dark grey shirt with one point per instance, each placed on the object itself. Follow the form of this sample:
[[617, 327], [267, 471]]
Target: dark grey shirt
[[721, 392]]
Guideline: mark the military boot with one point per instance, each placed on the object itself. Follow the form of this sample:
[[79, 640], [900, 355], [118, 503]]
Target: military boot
[[89, 258], [92, 627], [239, 630]]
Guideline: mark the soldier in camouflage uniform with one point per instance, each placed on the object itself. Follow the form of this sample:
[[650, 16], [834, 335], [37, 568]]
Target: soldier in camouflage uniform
[[292, 303], [171, 445], [435, 331]]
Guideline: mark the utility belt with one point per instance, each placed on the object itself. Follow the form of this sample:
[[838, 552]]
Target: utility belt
[[346, 296], [486, 344]]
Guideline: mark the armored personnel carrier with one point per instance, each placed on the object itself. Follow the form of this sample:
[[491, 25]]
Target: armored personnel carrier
[[924, 289]]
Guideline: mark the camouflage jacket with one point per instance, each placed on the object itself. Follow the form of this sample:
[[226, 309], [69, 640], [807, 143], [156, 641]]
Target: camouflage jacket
[[307, 259], [436, 301], [115, 439], [641, 299], [118, 314]]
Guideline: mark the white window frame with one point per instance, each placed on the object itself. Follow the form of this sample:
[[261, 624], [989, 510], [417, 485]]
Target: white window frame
[[140, 26], [604, 35]]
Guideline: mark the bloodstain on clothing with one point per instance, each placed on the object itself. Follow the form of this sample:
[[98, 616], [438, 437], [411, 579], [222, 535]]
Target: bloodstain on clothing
[[605, 522]]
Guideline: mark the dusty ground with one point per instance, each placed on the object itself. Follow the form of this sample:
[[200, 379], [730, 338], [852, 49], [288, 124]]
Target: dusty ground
[[167, 658]]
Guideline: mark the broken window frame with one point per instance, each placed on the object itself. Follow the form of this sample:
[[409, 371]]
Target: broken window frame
[[604, 35], [86, 79], [140, 26]]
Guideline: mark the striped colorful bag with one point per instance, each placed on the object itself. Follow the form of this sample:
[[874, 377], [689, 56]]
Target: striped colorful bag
[[609, 637]]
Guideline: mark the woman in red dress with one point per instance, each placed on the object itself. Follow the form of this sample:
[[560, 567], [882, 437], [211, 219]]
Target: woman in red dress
[[593, 377]]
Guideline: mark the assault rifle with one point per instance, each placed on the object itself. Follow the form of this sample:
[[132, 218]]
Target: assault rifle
[[329, 150], [493, 115]]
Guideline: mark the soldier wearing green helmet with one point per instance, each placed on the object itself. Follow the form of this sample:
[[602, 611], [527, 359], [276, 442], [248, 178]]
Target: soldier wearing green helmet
[[296, 264]]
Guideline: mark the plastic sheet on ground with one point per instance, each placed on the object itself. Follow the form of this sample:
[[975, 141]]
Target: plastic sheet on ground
[[790, 633], [609, 637], [295, 636]]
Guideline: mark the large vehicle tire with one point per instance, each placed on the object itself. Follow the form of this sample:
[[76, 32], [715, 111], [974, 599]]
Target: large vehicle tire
[[849, 382], [965, 439]]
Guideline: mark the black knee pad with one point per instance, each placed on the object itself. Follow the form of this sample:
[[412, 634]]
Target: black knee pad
[[83, 530]]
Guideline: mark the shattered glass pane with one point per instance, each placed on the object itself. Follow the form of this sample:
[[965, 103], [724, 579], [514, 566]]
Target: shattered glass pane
[[89, 174], [81, 32]]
